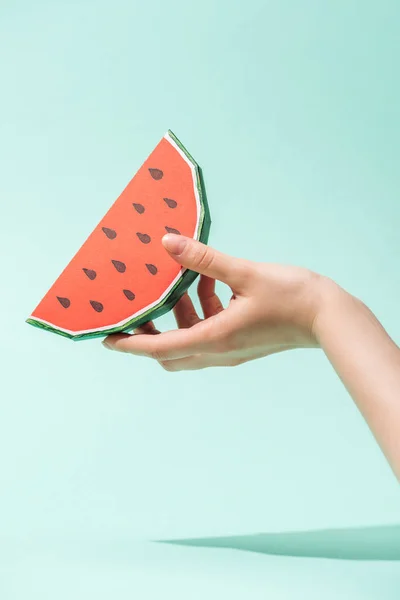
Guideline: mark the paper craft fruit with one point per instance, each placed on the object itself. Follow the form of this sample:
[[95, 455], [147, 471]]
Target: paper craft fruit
[[122, 276]]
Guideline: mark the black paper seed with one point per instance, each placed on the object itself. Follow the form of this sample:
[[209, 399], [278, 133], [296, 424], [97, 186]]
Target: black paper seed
[[120, 266], [110, 233], [170, 203], [98, 307], [143, 237], [130, 295], [90, 273], [139, 208], [152, 269], [172, 230], [65, 302], [156, 174]]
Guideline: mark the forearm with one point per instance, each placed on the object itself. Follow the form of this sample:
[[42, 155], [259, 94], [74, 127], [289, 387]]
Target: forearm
[[368, 362]]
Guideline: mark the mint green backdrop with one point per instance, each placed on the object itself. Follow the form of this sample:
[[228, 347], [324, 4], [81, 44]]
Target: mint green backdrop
[[292, 110]]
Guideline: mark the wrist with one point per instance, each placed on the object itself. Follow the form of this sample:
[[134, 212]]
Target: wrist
[[330, 300]]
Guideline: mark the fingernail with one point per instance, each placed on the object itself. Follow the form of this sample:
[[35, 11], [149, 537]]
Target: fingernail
[[105, 344], [175, 244]]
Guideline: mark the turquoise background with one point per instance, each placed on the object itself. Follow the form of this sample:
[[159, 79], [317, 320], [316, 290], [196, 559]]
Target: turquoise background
[[292, 110]]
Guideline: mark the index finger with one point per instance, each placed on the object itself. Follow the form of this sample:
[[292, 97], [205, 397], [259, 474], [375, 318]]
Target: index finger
[[178, 343]]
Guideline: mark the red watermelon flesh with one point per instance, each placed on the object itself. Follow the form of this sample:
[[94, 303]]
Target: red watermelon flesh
[[122, 276]]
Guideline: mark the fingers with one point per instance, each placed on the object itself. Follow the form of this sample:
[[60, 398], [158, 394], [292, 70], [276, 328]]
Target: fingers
[[185, 313], [210, 303], [123, 338], [205, 361], [205, 260], [199, 362], [191, 363], [205, 336], [147, 328]]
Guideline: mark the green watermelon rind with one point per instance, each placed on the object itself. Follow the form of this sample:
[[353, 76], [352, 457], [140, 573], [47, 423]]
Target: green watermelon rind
[[182, 285]]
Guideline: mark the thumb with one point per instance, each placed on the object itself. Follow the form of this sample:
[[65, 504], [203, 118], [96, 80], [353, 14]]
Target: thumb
[[205, 260]]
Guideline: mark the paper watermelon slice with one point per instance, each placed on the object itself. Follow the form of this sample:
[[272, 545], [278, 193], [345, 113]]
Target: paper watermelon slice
[[122, 276]]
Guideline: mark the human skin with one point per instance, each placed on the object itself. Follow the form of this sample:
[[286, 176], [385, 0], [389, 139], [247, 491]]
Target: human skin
[[276, 308]]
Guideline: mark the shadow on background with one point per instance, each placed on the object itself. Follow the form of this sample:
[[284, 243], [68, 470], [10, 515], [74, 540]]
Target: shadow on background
[[364, 543]]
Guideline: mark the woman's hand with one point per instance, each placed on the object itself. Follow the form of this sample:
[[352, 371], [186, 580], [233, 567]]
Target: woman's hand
[[275, 308], [272, 309]]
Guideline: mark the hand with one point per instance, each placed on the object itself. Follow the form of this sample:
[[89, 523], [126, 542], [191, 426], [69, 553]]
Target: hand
[[272, 309], [275, 308]]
